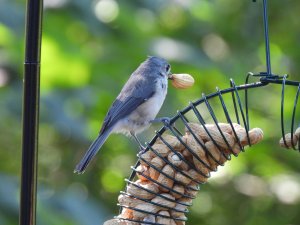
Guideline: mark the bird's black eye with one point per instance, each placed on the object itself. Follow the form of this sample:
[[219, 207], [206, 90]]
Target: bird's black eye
[[168, 67]]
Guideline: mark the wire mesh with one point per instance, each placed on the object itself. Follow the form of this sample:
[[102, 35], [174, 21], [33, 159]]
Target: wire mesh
[[227, 104]]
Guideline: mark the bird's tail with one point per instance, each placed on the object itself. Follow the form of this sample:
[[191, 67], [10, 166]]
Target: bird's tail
[[92, 151]]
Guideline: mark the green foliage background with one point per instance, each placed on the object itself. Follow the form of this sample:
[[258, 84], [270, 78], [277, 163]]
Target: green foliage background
[[89, 48]]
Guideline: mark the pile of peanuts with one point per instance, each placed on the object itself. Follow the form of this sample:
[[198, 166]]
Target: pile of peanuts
[[290, 139], [168, 180]]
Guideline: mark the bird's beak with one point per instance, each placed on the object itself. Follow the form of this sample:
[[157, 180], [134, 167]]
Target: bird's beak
[[170, 76]]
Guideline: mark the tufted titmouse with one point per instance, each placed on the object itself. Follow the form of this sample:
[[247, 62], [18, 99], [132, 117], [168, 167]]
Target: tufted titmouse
[[135, 107]]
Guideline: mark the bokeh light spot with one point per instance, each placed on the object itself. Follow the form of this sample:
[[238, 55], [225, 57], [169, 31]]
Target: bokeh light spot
[[106, 10], [286, 188], [60, 68], [251, 185], [171, 49], [215, 47]]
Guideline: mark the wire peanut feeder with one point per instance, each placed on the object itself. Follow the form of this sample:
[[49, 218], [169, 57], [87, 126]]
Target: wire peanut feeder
[[198, 139]]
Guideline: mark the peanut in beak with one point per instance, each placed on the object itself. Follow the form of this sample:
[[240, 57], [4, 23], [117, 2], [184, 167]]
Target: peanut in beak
[[181, 81]]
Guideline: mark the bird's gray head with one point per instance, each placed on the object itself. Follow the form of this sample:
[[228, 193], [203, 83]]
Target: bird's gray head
[[155, 66]]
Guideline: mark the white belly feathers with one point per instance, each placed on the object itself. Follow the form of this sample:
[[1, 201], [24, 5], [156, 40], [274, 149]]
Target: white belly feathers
[[140, 118]]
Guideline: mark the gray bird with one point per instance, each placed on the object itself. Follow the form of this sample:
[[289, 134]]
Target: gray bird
[[135, 107]]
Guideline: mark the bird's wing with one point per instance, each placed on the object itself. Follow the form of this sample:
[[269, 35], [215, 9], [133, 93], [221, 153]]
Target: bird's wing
[[135, 92]]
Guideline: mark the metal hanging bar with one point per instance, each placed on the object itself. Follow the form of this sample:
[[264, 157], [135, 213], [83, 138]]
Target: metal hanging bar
[[30, 112], [267, 42]]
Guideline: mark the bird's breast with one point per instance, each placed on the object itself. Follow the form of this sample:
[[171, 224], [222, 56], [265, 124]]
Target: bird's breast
[[140, 118], [153, 104], [149, 109]]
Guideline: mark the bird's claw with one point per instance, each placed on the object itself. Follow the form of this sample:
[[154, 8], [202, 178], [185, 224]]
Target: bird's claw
[[165, 120], [142, 151]]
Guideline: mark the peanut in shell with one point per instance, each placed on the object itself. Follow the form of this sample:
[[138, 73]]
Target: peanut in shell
[[288, 140], [182, 81]]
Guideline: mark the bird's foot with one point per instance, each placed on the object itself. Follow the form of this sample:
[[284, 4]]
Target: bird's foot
[[142, 150], [165, 120]]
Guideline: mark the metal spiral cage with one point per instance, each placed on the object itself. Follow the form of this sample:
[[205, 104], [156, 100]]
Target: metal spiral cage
[[233, 106], [239, 114]]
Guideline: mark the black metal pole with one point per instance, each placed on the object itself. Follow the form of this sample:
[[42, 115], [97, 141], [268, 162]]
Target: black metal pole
[[30, 112]]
